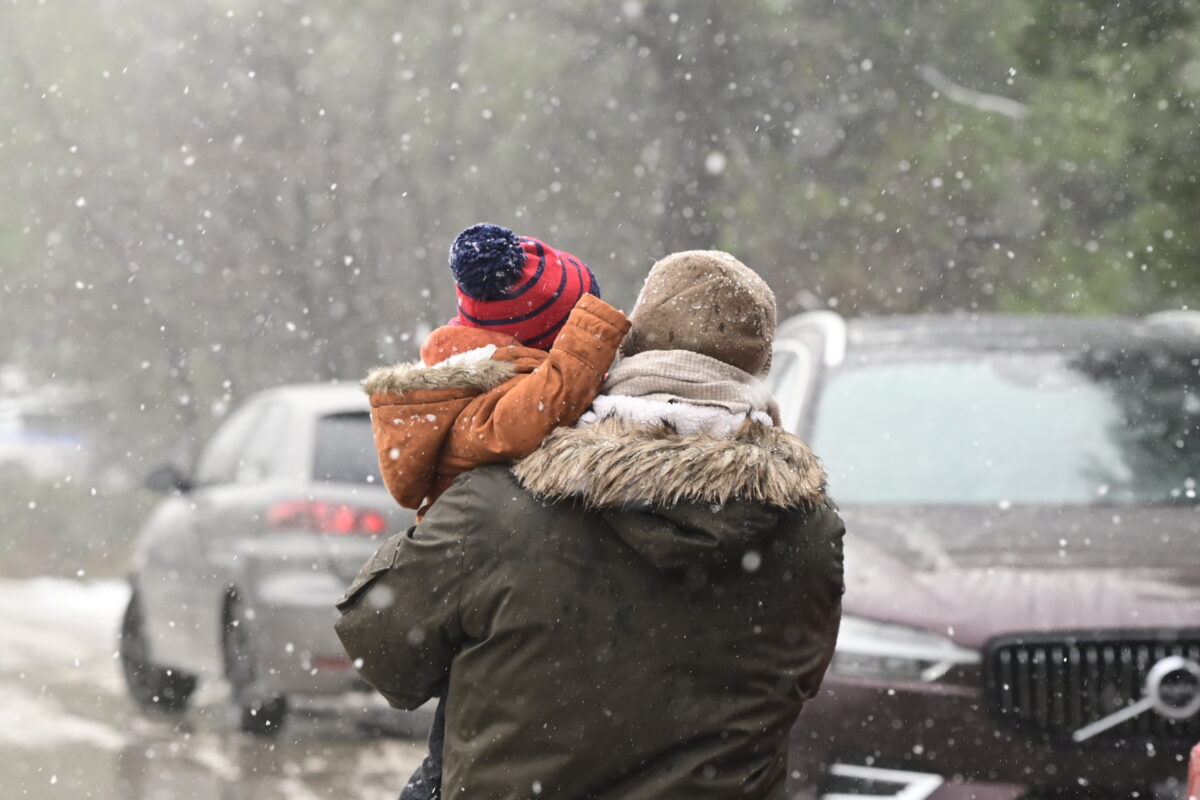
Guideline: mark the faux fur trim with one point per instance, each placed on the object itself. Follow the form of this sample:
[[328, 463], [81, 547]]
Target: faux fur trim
[[475, 369], [688, 419], [620, 463]]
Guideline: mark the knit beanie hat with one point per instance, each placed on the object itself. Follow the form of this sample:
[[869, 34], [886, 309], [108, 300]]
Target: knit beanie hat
[[516, 284], [707, 302]]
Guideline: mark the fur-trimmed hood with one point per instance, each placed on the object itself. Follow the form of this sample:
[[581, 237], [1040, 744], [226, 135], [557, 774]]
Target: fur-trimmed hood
[[616, 462], [681, 500], [476, 369]]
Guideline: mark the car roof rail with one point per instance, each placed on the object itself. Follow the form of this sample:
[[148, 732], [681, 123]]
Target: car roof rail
[[832, 328], [1176, 318]]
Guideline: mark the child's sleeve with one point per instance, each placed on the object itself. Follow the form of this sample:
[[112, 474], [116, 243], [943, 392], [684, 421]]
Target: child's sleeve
[[502, 426]]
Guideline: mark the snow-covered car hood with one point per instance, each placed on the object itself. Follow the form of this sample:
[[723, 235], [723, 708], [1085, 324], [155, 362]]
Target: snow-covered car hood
[[973, 573]]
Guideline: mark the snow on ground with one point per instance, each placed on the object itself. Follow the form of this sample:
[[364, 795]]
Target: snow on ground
[[37, 722], [60, 624], [69, 730]]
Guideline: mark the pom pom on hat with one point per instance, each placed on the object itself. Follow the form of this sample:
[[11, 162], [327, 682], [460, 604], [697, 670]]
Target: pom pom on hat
[[487, 260]]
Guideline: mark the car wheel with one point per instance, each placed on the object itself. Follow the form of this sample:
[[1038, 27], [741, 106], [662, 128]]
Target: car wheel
[[151, 686], [260, 714]]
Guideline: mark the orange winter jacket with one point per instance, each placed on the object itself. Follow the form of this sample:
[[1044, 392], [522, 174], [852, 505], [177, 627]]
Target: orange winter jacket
[[478, 397]]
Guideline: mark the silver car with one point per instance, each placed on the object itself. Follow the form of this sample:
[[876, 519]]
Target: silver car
[[236, 572]]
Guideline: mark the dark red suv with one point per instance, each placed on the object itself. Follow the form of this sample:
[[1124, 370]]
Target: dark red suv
[[1022, 615]]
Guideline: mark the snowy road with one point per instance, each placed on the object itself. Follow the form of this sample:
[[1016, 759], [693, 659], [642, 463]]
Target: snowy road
[[67, 729]]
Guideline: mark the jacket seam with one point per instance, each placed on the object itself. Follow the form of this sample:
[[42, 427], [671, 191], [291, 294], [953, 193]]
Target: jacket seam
[[571, 324], [462, 577], [581, 360]]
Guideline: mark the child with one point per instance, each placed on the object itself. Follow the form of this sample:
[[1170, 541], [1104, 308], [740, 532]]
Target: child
[[526, 353]]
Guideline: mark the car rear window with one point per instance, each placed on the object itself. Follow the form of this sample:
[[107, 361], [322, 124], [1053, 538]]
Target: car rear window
[[345, 449], [1118, 427]]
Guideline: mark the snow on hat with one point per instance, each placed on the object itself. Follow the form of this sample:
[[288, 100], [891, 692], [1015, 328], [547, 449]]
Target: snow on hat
[[516, 284], [708, 302]]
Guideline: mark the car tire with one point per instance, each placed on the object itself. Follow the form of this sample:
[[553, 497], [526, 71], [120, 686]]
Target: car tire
[[259, 713], [151, 686]]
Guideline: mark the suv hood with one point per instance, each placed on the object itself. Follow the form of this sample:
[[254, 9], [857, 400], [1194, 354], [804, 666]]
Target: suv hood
[[974, 573]]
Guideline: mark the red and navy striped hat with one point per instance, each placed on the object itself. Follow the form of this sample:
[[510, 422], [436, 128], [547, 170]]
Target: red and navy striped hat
[[515, 284]]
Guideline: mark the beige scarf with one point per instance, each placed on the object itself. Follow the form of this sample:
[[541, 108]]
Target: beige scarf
[[689, 379]]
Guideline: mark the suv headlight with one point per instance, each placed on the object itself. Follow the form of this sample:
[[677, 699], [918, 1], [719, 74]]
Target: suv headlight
[[870, 649]]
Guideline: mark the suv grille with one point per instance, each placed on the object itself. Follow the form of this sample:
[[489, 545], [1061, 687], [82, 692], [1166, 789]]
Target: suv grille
[[1051, 685]]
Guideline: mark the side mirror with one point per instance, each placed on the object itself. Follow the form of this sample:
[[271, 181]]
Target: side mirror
[[165, 479]]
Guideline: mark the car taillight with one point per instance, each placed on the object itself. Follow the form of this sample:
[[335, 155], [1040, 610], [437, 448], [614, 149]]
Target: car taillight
[[315, 515]]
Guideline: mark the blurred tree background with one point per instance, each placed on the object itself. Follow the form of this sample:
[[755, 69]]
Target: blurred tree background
[[201, 200]]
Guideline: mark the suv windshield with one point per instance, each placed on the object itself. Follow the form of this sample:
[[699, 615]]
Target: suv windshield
[[1034, 427], [345, 450]]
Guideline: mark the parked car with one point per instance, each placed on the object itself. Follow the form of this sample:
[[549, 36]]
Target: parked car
[[236, 572], [1022, 614]]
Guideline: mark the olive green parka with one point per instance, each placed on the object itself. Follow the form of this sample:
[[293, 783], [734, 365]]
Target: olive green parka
[[628, 613]]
